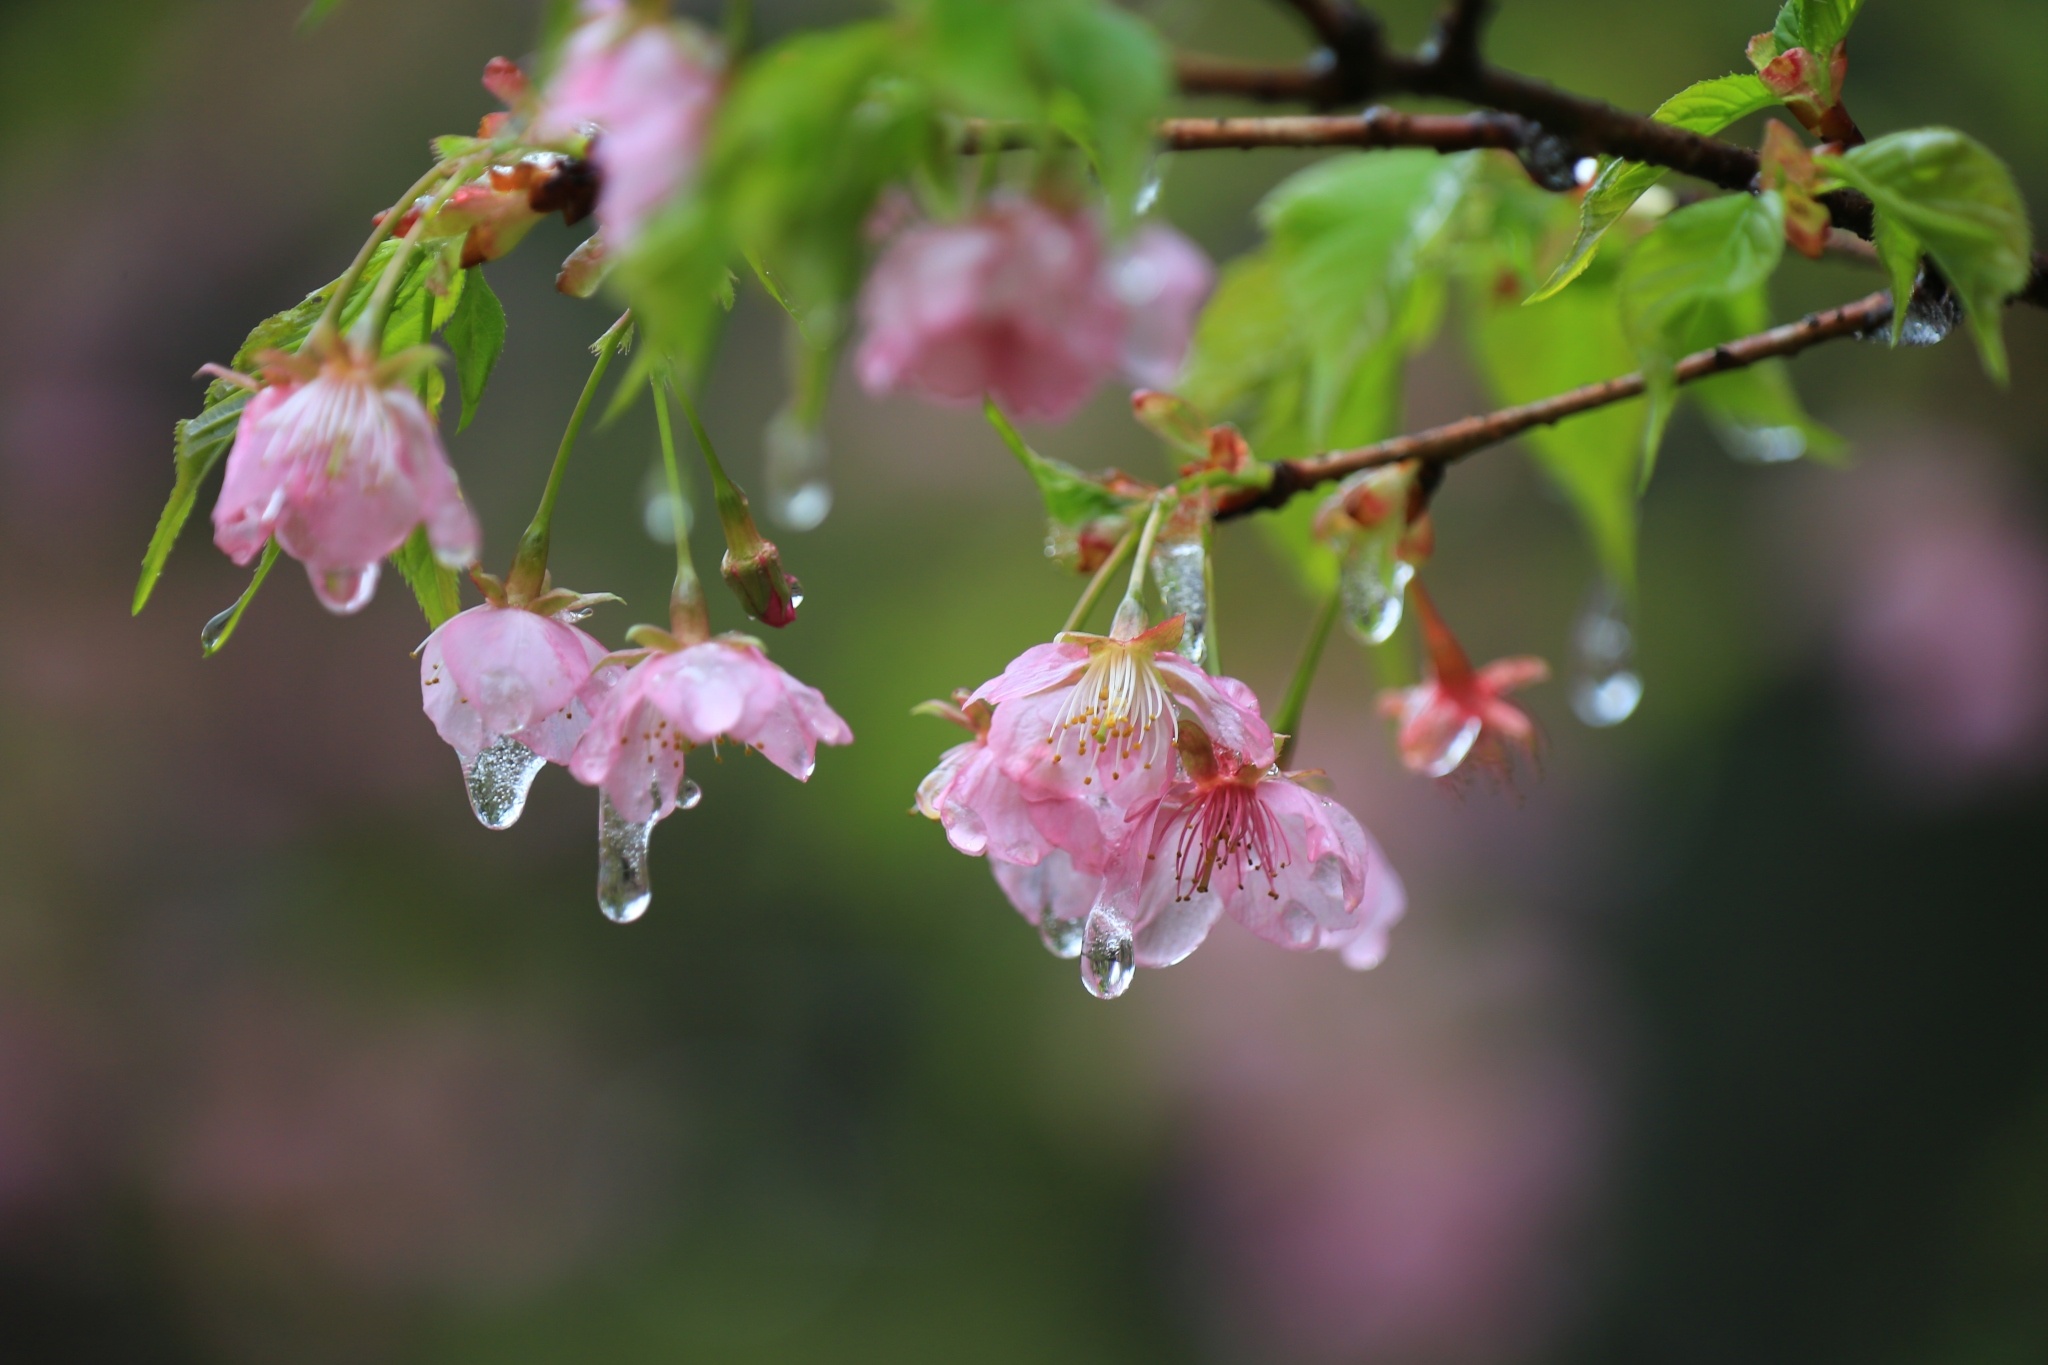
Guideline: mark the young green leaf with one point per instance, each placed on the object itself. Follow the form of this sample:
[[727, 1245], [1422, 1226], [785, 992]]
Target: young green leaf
[[1071, 497], [1819, 26], [201, 441], [1676, 287], [1755, 411], [1952, 193], [1528, 352], [1706, 107], [437, 588], [1899, 251], [476, 334]]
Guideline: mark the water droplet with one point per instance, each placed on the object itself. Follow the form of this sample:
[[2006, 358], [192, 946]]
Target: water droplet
[[1455, 748], [1374, 583], [215, 631], [344, 591], [1585, 169], [1931, 314], [1148, 191], [688, 795], [798, 489], [1108, 954], [623, 890], [499, 779], [1179, 570], [1605, 688], [1763, 445], [1062, 937], [1550, 161]]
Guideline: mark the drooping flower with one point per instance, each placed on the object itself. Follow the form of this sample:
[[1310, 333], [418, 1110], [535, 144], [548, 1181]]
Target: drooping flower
[[338, 458], [501, 684], [643, 91], [1161, 278], [984, 811], [1457, 711], [1242, 838], [1021, 301], [674, 699], [1094, 716]]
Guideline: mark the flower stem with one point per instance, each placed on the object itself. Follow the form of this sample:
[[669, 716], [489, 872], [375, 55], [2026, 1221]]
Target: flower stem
[[328, 327], [689, 619], [369, 328], [530, 564], [1150, 534], [1288, 719], [1092, 594], [732, 503], [1214, 663]]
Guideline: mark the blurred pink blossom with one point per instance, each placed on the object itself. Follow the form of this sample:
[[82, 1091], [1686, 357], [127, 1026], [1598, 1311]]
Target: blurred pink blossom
[[1457, 711], [1020, 302], [646, 89]]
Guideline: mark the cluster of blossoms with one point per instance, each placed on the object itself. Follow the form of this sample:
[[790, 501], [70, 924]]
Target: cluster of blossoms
[[1125, 797]]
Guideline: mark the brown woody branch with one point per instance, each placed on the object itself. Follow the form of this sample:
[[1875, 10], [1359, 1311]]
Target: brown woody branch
[[1357, 67], [1455, 440], [1378, 126]]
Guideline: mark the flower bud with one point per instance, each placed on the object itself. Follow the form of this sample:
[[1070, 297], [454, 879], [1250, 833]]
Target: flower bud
[[756, 577]]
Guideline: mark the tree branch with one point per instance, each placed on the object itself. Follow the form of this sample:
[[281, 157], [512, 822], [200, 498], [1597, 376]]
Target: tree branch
[[1455, 440], [1456, 43], [1378, 126]]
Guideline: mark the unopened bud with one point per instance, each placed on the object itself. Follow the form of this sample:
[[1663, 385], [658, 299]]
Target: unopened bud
[[756, 577], [506, 82]]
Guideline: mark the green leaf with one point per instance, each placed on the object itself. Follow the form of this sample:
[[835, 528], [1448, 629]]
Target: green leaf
[[201, 441], [437, 587], [1755, 411], [1677, 285], [476, 334], [1528, 352], [1953, 194], [1899, 251], [1071, 497], [1706, 107], [215, 634], [1244, 337]]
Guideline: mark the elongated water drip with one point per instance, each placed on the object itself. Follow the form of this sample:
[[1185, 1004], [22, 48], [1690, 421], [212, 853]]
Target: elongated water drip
[[215, 630], [799, 490], [1178, 568], [1108, 954], [1374, 585], [1606, 689], [499, 779], [1931, 314], [623, 890]]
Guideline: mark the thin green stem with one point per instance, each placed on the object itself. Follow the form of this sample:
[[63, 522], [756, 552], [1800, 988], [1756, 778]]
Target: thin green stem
[[530, 564], [1214, 662], [1092, 594], [1287, 720], [731, 501], [329, 325], [369, 327], [688, 613], [1151, 533]]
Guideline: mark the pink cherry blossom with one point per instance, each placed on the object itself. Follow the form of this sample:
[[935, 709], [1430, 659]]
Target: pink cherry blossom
[[1009, 302], [1161, 278], [1094, 716], [672, 700], [497, 672], [340, 466], [1249, 841], [646, 89], [985, 812], [1457, 711]]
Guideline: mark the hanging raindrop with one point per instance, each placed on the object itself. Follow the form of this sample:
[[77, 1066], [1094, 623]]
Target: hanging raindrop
[[1108, 954], [799, 491], [1148, 188], [499, 779], [1374, 585], [1062, 937], [622, 886], [1931, 314], [1179, 569], [216, 630], [661, 512], [1606, 689]]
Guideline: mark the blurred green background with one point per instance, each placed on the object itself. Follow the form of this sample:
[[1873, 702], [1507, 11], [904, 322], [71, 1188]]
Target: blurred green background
[[1723, 1039]]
